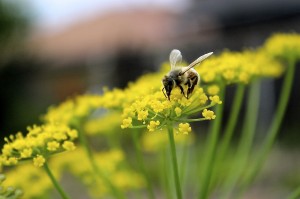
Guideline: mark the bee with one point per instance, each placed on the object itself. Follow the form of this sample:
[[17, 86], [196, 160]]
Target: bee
[[181, 76]]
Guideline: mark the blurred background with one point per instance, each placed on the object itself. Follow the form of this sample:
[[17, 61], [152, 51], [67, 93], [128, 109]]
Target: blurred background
[[51, 50]]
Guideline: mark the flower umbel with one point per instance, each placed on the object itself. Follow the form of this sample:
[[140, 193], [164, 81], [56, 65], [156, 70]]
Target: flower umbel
[[39, 143], [155, 111]]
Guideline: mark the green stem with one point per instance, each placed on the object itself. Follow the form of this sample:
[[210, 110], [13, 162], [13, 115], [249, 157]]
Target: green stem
[[141, 163], [190, 111], [229, 130], [234, 113], [55, 182], [184, 157], [174, 160], [210, 148], [83, 141], [165, 173], [248, 132], [295, 194], [275, 125], [190, 120], [138, 127]]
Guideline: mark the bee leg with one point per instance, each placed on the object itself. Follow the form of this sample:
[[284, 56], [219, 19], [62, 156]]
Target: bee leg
[[182, 91], [163, 91], [191, 85]]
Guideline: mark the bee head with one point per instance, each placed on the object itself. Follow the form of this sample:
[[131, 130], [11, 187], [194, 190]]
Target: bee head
[[169, 83]]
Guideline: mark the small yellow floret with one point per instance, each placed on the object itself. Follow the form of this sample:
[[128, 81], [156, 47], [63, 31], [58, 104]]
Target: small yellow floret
[[229, 75], [127, 122], [11, 161], [184, 128], [72, 133], [215, 99], [213, 90], [39, 161], [26, 153], [142, 115], [52, 146], [207, 114], [152, 125], [68, 145], [244, 77]]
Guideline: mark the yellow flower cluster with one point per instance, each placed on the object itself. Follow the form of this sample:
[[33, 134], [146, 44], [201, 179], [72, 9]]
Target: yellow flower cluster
[[33, 181], [38, 144], [110, 162], [71, 109], [36, 184], [104, 124], [153, 111], [82, 106], [234, 67], [9, 191], [284, 45]]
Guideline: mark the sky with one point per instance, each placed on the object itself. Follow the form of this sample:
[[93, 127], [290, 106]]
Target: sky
[[56, 13]]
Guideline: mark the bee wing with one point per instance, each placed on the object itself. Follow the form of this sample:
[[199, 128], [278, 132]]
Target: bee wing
[[175, 57], [197, 61]]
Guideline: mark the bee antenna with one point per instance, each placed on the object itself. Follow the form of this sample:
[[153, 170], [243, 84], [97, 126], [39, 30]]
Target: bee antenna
[[197, 61]]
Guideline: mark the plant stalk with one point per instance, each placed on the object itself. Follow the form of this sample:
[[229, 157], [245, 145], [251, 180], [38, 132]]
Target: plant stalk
[[55, 182], [275, 125], [141, 163], [210, 148], [174, 160]]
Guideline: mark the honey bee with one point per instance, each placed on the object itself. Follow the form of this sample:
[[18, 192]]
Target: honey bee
[[181, 76]]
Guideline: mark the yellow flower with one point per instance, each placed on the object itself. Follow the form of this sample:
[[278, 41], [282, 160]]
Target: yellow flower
[[284, 45], [26, 153], [142, 115], [235, 67], [152, 125], [9, 191], [127, 123], [11, 161], [52, 146], [229, 75], [184, 128], [244, 77], [39, 161], [213, 89], [68, 145], [39, 141], [215, 99], [72, 133], [207, 114], [156, 110]]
